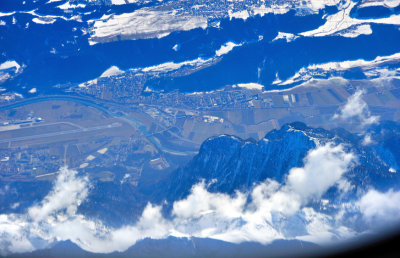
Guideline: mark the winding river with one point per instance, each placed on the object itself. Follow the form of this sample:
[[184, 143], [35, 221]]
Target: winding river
[[93, 104]]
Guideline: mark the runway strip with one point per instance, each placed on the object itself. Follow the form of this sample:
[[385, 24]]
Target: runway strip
[[80, 130]]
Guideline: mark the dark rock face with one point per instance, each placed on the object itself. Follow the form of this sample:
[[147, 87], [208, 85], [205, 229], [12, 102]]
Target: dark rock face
[[228, 163], [236, 164]]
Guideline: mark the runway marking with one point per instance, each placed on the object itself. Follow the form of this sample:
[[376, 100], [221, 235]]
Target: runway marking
[[89, 129]]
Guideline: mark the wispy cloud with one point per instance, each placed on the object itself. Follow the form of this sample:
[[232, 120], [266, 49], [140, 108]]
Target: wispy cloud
[[379, 209], [67, 194], [356, 110], [16, 231], [269, 211]]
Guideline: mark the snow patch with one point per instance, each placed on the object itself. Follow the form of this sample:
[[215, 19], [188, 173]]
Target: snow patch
[[10, 64], [43, 20], [67, 5], [249, 86], [6, 14], [244, 14], [340, 22], [112, 71], [171, 66], [275, 9], [102, 151], [385, 3], [143, 23], [90, 158], [10, 96], [356, 31], [9, 69], [289, 37], [33, 91], [122, 2], [83, 165], [370, 68], [175, 47], [367, 140], [211, 119], [226, 48]]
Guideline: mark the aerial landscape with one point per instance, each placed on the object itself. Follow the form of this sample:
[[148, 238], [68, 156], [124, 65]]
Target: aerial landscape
[[204, 128]]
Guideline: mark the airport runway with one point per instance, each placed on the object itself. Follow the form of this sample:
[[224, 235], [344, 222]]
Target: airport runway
[[80, 130]]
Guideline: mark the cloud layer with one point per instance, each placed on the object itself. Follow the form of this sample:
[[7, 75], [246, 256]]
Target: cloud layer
[[356, 109], [269, 211], [375, 205]]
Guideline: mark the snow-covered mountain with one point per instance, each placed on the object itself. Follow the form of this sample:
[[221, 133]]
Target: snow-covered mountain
[[228, 163]]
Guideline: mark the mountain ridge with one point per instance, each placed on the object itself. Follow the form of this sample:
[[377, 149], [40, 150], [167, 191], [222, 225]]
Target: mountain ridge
[[228, 163]]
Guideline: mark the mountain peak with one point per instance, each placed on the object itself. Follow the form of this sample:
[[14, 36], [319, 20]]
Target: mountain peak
[[236, 164]]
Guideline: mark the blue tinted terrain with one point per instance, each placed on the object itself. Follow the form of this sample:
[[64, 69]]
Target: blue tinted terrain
[[59, 53], [139, 128]]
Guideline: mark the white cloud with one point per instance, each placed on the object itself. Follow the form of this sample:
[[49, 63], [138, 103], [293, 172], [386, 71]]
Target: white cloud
[[12, 237], [380, 209], [274, 208], [267, 212], [201, 214], [323, 168], [68, 193], [17, 231], [357, 109]]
